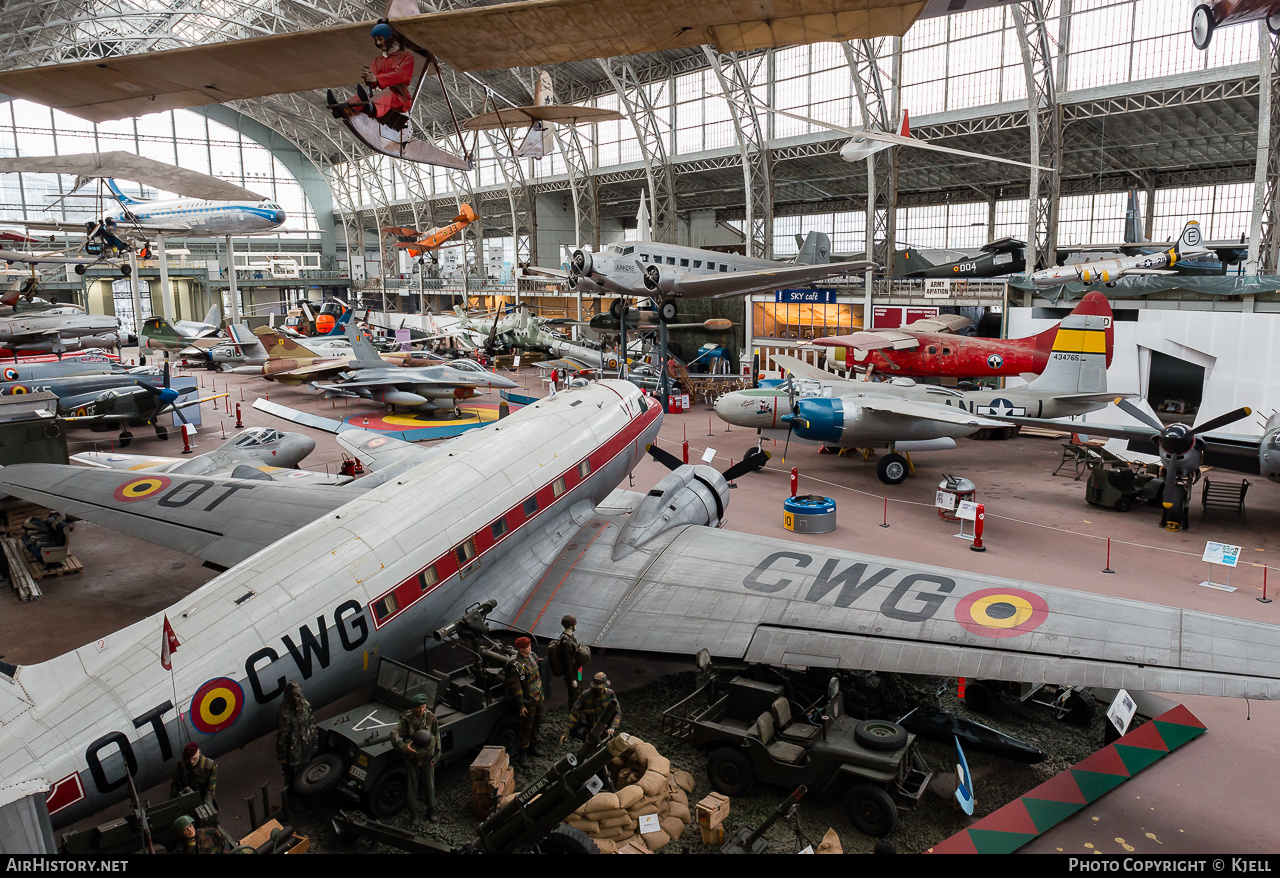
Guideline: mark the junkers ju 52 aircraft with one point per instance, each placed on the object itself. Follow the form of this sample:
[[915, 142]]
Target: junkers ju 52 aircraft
[[525, 513]]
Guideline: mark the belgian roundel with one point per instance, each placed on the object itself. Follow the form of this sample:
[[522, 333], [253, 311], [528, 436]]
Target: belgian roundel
[[18, 389], [140, 489], [216, 705], [1001, 612]]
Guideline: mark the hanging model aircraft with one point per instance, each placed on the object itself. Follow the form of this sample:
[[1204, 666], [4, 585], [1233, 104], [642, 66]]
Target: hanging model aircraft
[[1183, 449], [515, 34], [666, 272], [1210, 15], [866, 142], [539, 118], [929, 348], [995, 259], [1108, 271], [419, 387], [517, 517], [856, 413], [426, 243], [253, 453]]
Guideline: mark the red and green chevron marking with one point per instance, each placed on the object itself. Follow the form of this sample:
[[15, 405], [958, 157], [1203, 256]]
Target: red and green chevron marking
[[1009, 828]]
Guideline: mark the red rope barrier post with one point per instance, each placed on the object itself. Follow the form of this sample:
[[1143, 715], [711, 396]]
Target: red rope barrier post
[[886, 513], [795, 481], [710, 427], [978, 521], [1108, 569], [684, 449], [239, 422], [186, 440], [1264, 599], [223, 425]]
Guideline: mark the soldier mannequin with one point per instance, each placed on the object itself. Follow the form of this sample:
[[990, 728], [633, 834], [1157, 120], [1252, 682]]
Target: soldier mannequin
[[197, 841], [588, 709], [296, 733], [198, 772], [524, 683], [567, 646], [419, 755]]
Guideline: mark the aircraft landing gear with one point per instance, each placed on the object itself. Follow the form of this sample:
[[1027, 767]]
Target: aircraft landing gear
[[391, 408], [81, 269], [667, 311], [892, 469], [161, 431], [125, 270], [457, 412], [125, 438], [615, 309]]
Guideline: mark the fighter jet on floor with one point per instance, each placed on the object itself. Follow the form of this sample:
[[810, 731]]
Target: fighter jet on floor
[[419, 387], [526, 515], [253, 453]]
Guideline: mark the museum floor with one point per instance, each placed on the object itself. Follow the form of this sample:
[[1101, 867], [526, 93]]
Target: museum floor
[[1211, 796]]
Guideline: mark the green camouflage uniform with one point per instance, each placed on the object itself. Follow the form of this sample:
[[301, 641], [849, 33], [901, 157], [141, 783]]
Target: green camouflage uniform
[[201, 777], [568, 646], [418, 762], [207, 841], [588, 709], [524, 683], [296, 735]]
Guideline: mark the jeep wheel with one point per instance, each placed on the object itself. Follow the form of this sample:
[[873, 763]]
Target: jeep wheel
[[389, 794], [981, 697], [871, 810], [730, 771], [506, 734], [567, 840], [320, 775], [1079, 708], [880, 734]]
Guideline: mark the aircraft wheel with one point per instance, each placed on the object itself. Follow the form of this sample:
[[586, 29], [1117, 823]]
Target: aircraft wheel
[[389, 793], [892, 469], [981, 697], [125, 438], [1202, 25], [391, 408], [457, 412], [80, 269], [161, 431], [1078, 709], [615, 309], [667, 311], [125, 270], [871, 810], [730, 771]]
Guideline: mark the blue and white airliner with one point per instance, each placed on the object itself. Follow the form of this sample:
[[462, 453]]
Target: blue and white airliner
[[193, 216]]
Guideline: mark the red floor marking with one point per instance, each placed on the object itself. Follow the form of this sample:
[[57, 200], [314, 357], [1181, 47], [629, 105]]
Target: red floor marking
[[1105, 761], [1013, 817], [1146, 736]]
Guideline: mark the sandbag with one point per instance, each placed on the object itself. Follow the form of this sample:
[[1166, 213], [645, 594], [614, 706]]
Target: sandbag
[[680, 811], [601, 801], [830, 844], [672, 827], [653, 784], [682, 779], [655, 840], [629, 795], [625, 820]]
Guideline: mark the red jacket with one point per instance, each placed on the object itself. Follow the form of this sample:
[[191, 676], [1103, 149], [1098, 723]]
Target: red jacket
[[393, 73]]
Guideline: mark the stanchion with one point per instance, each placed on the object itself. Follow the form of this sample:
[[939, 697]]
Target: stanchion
[[242, 393], [239, 422], [731, 484], [978, 521], [885, 523], [1264, 599], [795, 481], [223, 424], [186, 441], [685, 450], [710, 430], [1108, 569]]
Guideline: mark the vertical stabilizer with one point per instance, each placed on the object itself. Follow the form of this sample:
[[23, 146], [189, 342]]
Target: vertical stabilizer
[[366, 356], [1190, 239], [1078, 361], [904, 126], [120, 196], [1095, 304], [816, 250], [644, 229], [1133, 231], [249, 344], [214, 317]]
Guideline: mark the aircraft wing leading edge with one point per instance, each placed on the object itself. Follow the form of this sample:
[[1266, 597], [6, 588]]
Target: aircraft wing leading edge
[[762, 599], [739, 283]]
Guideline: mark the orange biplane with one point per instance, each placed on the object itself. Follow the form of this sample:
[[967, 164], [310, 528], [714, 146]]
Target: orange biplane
[[419, 243]]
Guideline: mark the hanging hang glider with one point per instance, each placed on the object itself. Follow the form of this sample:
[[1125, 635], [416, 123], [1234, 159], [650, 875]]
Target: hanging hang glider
[[539, 118], [135, 168], [535, 33]]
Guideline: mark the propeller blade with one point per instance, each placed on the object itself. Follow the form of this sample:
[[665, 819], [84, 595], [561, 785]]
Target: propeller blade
[[755, 370], [1130, 409], [1222, 420], [666, 458], [755, 459]]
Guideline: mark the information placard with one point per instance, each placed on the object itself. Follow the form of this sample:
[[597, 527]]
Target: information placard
[[945, 500], [1221, 553], [968, 510]]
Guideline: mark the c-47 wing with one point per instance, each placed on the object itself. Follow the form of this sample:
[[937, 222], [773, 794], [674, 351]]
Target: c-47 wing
[[739, 283], [220, 520], [767, 600]]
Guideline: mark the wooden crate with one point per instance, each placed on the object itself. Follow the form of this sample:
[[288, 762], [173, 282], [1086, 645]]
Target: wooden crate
[[15, 513], [491, 762], [713, 810], [263, 833], [712, 837], [634, 846]]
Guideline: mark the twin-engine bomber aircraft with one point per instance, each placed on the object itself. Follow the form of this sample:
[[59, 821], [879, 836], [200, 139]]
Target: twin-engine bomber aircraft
[[519, 515]]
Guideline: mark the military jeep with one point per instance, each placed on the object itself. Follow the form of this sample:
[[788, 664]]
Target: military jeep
[[751, 731], [356, 757]]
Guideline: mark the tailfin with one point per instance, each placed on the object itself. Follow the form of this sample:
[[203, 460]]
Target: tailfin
[[340, 325], [120, 196], [1190, 239], [15, 292], [816, 250], [214, 317], [1094, 304], [904, 127], [285, 347], [909, 260], [466, 214], [1133, 231], [366, 356], [160, 333], [248, 343], [644, 228], [1077, 363]]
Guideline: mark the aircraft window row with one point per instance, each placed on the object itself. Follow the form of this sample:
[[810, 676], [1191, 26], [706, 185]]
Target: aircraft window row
[[428, 577], [465, 552], [627, 251], [500, 528], [530, 506], [584, 469], [557, 487]]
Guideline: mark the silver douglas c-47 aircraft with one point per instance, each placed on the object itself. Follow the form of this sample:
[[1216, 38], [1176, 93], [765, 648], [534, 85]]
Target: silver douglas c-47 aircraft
[[524, 513]]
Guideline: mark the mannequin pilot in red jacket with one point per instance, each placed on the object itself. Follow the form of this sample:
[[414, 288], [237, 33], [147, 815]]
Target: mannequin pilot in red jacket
[[391, 72]]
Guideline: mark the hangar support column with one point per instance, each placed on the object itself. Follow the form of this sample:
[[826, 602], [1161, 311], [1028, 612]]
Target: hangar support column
[[582, 183], [1264, 235], [1044, 119], [737, 75], [524, 217], [633, 96]]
